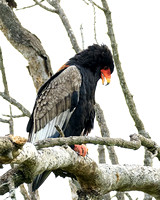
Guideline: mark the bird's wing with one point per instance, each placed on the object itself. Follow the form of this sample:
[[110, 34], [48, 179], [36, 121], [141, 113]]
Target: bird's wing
[[55, 104]]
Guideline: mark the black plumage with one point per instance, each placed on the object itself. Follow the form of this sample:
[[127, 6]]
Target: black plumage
[[67, 99]]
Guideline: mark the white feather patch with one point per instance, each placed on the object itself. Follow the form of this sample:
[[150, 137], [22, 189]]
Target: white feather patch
[[49, 130]]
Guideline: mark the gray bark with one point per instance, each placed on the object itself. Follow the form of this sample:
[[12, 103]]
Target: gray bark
[[100, 178], [27, 44]]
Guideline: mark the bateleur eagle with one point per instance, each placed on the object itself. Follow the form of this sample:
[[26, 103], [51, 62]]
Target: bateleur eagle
[[67, 99]]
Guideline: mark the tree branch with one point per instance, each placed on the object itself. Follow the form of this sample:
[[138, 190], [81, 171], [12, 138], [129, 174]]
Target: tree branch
[[10, 147], [27, 44], [99, 179], [90, 140], [6, 91], [65, 21], [24, 192], [45, 7], [7, 144], [105, 133], [15, 103], [135, 143], [4, 120], [128, 96]]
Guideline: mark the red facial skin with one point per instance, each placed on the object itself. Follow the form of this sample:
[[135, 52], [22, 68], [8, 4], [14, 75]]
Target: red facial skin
[[106, 73]]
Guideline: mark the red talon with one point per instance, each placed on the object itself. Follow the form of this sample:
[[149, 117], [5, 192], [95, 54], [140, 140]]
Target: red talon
[[82, 150]]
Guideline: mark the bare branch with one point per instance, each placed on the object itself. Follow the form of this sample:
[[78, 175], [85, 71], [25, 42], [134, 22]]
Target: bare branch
[[24, 192], [105, 133], [15, 116], [15, 103], [45, 7], [12, 189], [7, 97], [31, 6], [60, 131], [11, 124], [128, 96], [6, 91], [98, 179], [94, 12], [85, 2], [128, 195], [103, 9], [135, 143], [65, 21], [4, 120], [27, 44], [82, 36], [86, 139]]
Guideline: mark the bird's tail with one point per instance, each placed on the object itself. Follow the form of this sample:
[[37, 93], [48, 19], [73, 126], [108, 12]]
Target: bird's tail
[[37, 182]]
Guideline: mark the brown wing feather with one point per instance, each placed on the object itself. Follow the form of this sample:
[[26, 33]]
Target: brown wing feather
[[56, 97]]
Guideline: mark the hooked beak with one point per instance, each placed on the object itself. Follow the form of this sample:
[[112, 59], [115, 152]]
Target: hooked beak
[[106, 74]]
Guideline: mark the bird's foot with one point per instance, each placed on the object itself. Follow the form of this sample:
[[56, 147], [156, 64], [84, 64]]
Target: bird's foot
[[82, 149]]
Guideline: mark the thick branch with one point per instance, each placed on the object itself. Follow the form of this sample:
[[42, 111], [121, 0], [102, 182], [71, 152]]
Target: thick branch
[[9, 148], [92, 177], [27, 44]]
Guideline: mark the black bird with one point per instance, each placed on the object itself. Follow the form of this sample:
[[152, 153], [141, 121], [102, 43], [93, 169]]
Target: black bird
[[67, 99]]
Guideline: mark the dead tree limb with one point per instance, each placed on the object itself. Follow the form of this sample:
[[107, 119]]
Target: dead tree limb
[[99, 179], [27, 44]]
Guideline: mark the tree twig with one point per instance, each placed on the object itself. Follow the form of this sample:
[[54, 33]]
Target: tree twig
[[103, 9], [15, 103], [128, 195], [26, 7], [6, 91], [11, 128], [4, 120], [94, 25], [60, 131], [66, 24], [45, 7], [15, 116], [82, 36]]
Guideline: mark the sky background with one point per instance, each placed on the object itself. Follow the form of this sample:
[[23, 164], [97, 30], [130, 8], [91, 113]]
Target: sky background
[[136, 27]]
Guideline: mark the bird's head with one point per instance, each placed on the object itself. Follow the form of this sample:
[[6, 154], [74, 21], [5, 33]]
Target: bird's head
[[98, 59]]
